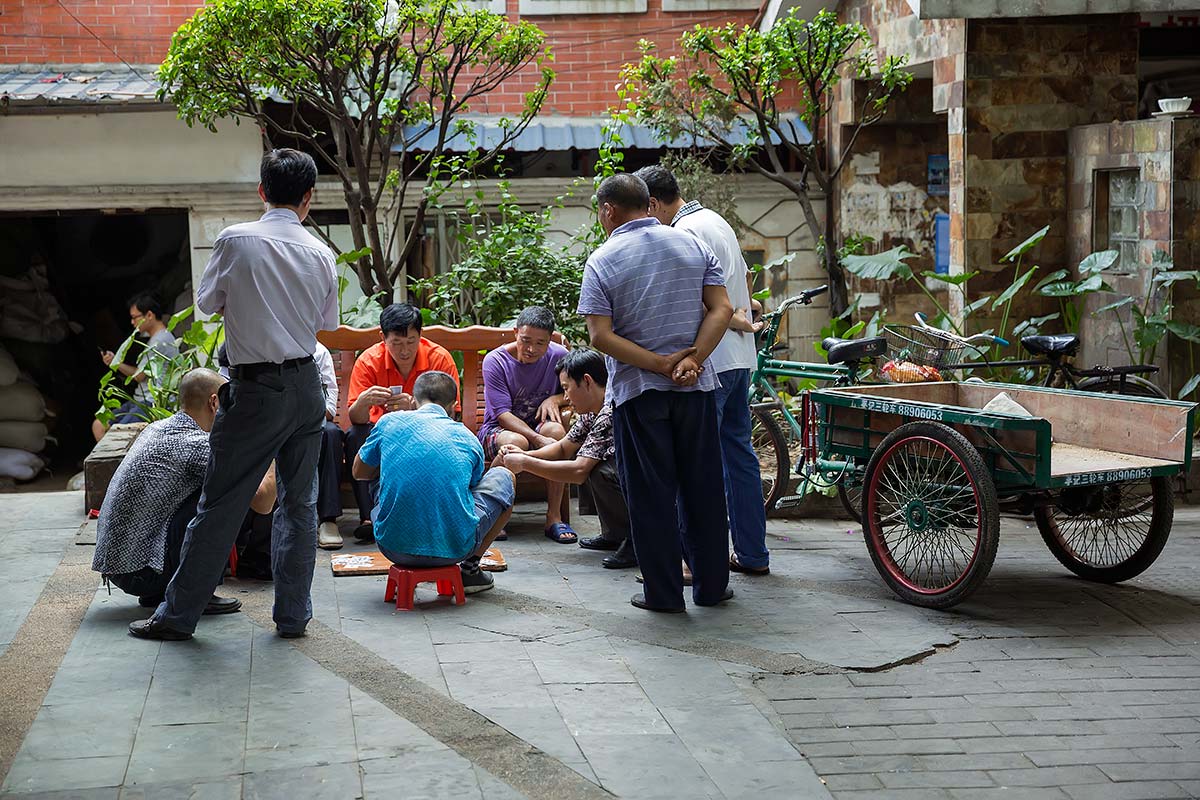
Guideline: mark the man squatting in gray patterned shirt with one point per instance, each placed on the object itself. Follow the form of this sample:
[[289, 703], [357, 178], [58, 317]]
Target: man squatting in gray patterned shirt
[[153, 496]]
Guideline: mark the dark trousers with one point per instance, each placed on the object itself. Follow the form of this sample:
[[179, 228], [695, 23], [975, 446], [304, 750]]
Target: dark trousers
[[146, 582], [605, 485], [330, 468], [272, 416], [669, 457], [366, 493]]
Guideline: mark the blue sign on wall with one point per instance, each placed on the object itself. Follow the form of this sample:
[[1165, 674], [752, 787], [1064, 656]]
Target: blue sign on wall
[[941, 244]]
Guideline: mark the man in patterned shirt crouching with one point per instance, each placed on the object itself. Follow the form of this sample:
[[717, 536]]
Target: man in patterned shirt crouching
[[586, 455], [437, 506], [153, 495]]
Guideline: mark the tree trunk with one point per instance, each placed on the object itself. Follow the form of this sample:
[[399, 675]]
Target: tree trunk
[[839, 299], [823, 239]]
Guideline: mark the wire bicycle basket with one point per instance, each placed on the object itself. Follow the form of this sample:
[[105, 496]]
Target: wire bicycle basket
[[920, 354]]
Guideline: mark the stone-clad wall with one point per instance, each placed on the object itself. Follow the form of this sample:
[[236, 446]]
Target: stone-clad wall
[[1166, 154], [1143, 145], [1026, 83]]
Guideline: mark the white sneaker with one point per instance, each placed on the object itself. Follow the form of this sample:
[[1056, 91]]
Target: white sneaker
[[328, 536]]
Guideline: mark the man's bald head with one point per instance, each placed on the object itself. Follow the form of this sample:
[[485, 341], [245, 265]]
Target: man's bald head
[[196, 388]]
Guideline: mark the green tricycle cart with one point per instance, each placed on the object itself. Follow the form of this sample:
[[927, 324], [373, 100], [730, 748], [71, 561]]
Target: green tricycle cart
[[1095, 470]]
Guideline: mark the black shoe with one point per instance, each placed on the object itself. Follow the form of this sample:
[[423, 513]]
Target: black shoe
[[728, 595], [291, 634], [477, 581], [639, 601], [598, 543], [222, 605], [619, 560], [150, 600], [153, 629], [365, 533]]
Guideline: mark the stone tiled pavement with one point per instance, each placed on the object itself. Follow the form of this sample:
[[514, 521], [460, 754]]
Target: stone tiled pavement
[[814, 682]]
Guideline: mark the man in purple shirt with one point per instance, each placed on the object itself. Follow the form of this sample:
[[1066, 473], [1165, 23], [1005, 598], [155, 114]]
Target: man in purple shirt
[[656, 304], [523, 402]]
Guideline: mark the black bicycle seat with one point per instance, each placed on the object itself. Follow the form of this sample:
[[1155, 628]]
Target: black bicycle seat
[[841, 351], [1059, 344]]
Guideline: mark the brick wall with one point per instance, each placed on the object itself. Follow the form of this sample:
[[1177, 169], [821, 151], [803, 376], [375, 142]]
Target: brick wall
[[1026, 83], [589, 49]]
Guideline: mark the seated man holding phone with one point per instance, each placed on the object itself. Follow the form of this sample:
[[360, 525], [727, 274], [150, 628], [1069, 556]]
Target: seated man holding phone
[[381, 382]]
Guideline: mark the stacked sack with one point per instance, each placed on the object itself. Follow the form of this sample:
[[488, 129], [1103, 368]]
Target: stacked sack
[[23, 432]]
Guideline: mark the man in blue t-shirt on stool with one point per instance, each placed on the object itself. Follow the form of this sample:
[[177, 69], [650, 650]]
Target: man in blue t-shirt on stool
[[437, 505]]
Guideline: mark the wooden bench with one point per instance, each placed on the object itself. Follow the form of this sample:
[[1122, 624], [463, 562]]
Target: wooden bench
[[472, 343]]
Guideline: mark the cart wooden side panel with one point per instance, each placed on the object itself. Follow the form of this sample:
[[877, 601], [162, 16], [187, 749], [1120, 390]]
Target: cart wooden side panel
[[1072, 438], [855, 420]]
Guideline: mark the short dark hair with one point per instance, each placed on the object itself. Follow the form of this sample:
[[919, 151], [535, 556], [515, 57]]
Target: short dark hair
[[400, 318], [435, 387], [197, 386], [536, 317], [661, 183], [286, 174], [584, 361], [147, 303], [624, 191]]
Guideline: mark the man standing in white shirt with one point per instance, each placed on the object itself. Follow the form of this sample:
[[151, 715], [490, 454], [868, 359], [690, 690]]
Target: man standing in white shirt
[[733, 360], [276, 286], [332, 462]]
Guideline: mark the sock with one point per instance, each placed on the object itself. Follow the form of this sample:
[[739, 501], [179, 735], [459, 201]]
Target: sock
[[470, 565]]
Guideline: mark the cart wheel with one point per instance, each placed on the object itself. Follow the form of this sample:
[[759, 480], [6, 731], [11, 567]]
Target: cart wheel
[[1109, 533], [770, 445], [850, 492], [931, 518]]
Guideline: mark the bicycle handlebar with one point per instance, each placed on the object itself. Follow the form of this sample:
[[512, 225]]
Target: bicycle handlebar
[[804, 298]]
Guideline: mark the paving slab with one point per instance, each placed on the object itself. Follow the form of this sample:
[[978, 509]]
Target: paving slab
[[814, 682]]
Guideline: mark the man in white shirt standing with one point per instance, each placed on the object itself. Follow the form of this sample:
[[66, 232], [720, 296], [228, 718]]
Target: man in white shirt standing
[[733, 361], [332, 462], [276, 286]]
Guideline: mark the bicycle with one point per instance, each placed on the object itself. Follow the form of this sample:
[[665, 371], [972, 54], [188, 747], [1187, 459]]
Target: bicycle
[[1054, 350], [844, 367], [787, 445]]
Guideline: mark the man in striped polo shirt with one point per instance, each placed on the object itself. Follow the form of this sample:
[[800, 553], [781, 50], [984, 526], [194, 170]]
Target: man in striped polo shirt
[[656, 304]]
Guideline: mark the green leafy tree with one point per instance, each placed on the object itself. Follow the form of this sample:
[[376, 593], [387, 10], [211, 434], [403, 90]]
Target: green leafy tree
[[513, 264], [376, 88], [733, 86]]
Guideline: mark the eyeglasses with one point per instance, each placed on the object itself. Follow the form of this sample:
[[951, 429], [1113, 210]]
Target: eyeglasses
[[136, 319]]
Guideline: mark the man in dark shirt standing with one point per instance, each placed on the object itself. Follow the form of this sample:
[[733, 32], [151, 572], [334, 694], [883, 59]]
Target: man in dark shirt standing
[[276, 286]]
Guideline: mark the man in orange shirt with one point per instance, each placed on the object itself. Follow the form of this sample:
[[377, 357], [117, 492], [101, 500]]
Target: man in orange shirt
[[382, 382]]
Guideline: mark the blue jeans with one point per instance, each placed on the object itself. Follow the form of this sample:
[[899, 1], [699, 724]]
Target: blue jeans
[[276, 416], [743, 477], [493, 495]]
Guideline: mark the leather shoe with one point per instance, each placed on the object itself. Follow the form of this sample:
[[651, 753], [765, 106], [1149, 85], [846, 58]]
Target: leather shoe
[[598, 543], [728, 595], [365, 533], [618, 560], [639, 601], [291, 634], [222, 605], [153, 629]]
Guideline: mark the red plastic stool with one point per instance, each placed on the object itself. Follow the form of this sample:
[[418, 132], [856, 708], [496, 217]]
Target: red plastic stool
[[402, 583]]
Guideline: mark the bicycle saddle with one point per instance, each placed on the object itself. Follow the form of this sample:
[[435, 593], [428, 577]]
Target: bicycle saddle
[[840, 351], [1059, 344]]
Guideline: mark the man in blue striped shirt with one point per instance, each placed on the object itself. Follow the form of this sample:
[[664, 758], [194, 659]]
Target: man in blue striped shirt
[[656, 304]]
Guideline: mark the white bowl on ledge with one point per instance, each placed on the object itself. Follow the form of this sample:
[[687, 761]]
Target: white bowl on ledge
[[1175, 105]]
